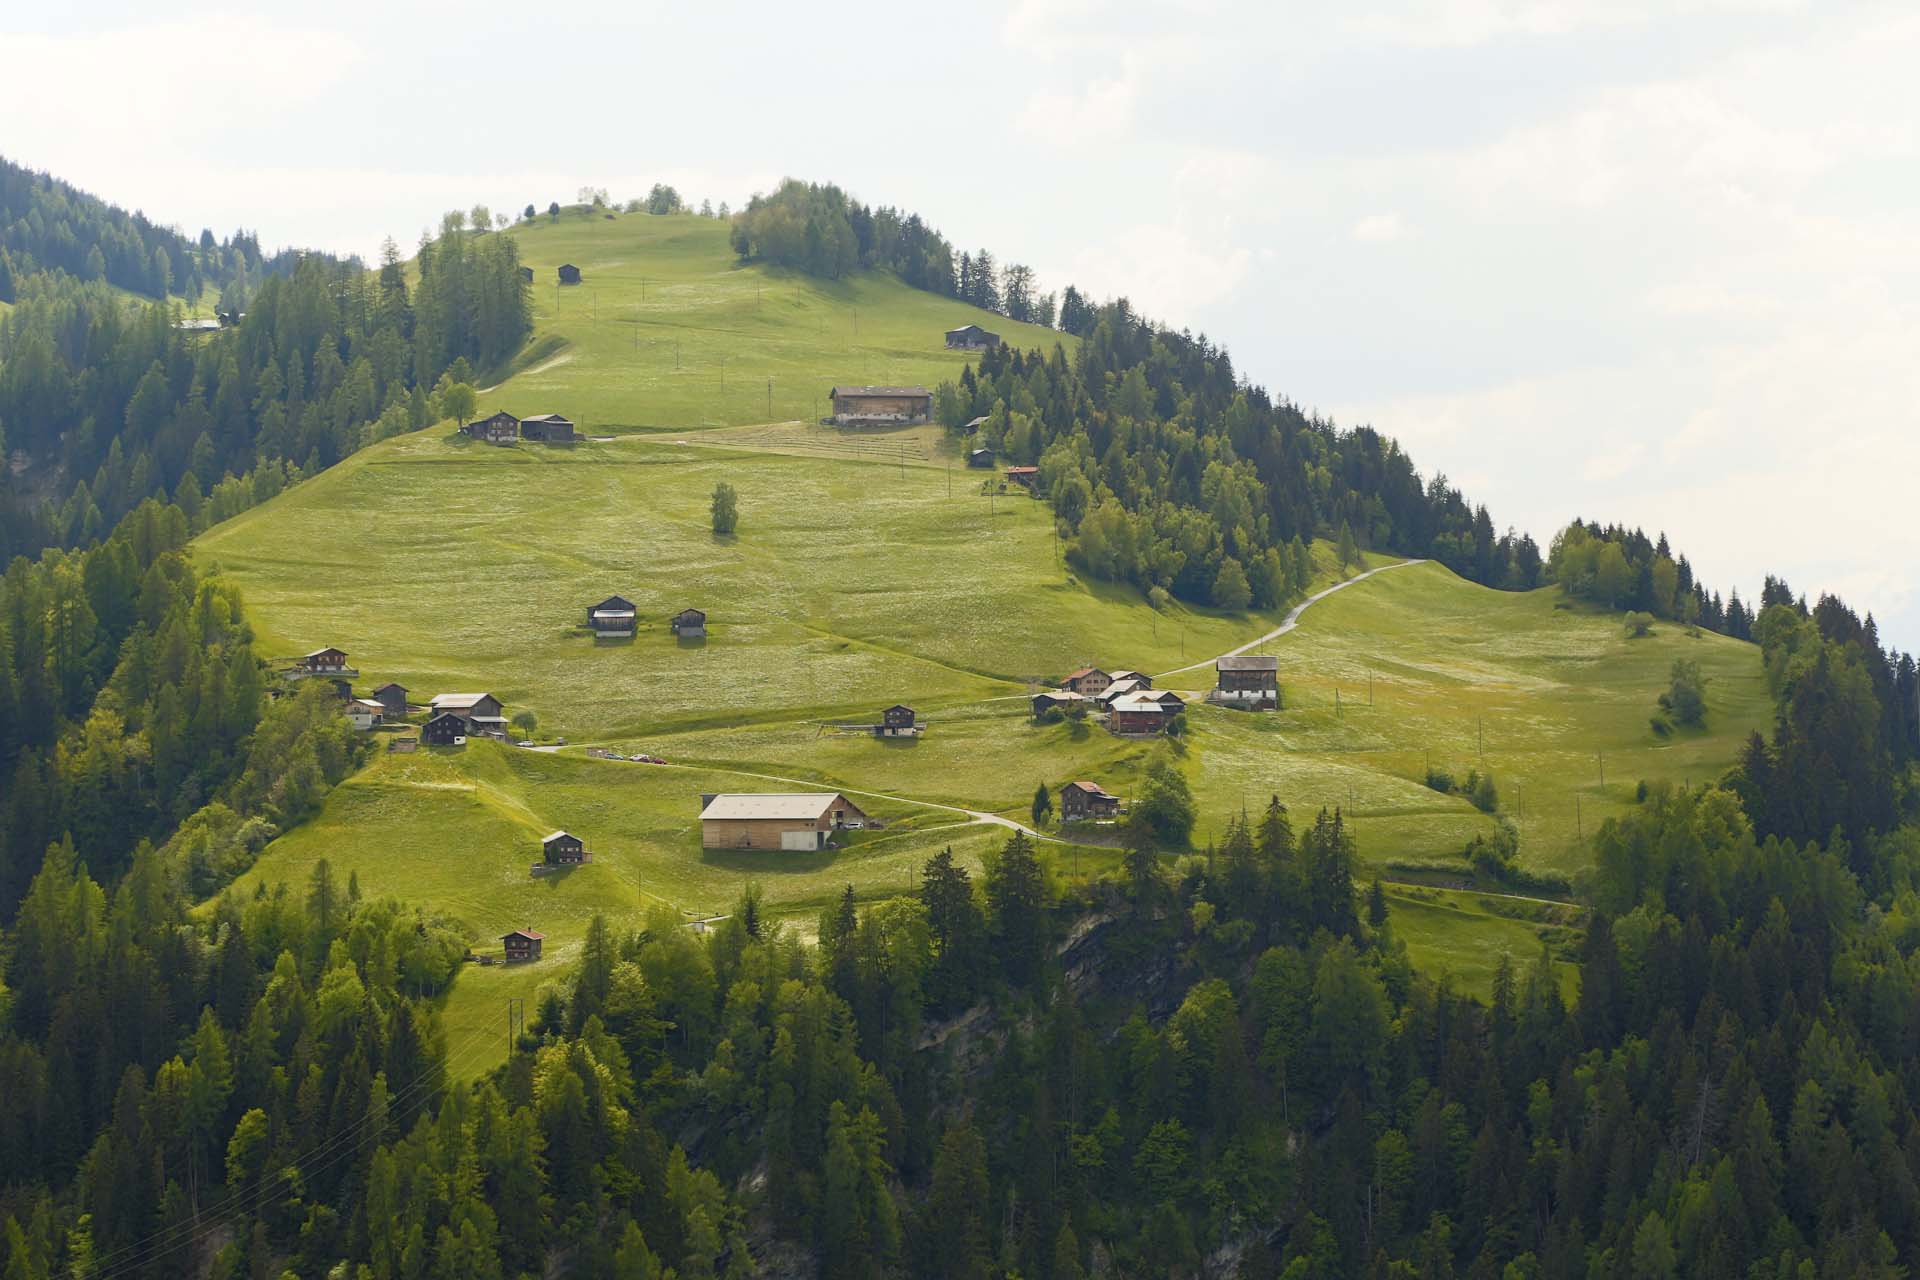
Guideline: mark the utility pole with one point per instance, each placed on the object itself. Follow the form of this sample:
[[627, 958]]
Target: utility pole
[[769, 399], [1601, 756], [1579, 829], [676, 353], [1480, 729], [1369, 687]]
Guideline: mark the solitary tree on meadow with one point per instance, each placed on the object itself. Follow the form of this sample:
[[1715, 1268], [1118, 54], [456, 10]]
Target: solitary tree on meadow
[[457, 401], [726, 508], [1042, 806]]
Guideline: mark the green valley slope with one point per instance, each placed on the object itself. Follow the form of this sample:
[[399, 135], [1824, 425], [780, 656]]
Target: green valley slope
[[866, 570]]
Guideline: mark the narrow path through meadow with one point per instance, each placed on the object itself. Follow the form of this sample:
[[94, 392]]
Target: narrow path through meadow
[[1292, 619]]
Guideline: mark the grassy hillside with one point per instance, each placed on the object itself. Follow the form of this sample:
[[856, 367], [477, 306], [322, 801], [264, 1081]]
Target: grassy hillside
[[868, 569], [667, 330]]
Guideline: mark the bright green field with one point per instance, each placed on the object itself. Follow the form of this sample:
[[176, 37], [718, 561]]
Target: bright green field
[[867, 570], [668, 330]]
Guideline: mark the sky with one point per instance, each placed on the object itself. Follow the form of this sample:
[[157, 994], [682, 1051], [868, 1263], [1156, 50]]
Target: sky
[[1652, 263]]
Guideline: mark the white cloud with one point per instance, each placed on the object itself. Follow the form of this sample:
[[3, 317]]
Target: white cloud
[[1101, 107], [1459, 23], [1377, 228], [1167, 271]]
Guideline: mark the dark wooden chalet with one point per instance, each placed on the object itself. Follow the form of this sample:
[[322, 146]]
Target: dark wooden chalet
[[444, 730], [974, 424], [981, 458], [548, 427], [1084, 801], [468, 706], [971, 337], [322, 662], [1248, 680], [1025, 477], [1141, 678], [393, 700], [569, 274], [689, 624], [522, 945], [897, 721], [613, 616], [500, 428], [562, 849]]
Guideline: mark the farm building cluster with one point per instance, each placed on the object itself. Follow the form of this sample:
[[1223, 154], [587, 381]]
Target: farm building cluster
[[502, 427], [450, 718], [618, 618]]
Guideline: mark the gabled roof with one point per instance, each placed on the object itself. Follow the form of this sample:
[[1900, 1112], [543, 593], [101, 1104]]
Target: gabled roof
[[548, 417], [1061, 695], [1166, 696], [454, 701], [1086, 671], [1127, 675], [980, 421], [802, 806], [391, 684], [1023, 471], [321, 653], [1091, 788], [900, 706], [446, 715], [969, 328], [879, 391], [1247, 662], [549, 839], [613, 604], [690, 613], [1146, 702], [528, 934]]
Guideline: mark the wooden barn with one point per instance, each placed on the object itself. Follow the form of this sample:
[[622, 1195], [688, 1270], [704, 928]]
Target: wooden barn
[[1088, 682], [444, 730], [1248, 680], [1025, 477], [971, 337], [500, 428], [897, 721], [563, 849], [392, 699], [974, 424], [981, 458], [1047, 701], [550, 428], [522, 945], [569, 274], [526, 275], [689, 624], [881, 406], [1140, 678], [794, 821], [613, 616], [1083, 801]]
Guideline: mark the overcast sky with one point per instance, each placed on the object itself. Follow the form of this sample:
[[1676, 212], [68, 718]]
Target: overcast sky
[[1629, 260]]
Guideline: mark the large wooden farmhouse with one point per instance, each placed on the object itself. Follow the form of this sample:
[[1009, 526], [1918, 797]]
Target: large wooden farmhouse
[[881, 406], [612, 617], [1088, 682], [1025, 477], [481, 711], [499, 428], [1143, 713], [548, 427], [897, 721], [971, 337], [1248, 680], [522, 945], [794, 821], [1083, 801]]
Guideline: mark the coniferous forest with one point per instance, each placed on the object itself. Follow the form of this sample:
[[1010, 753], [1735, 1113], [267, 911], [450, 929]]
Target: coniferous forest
[[1220, 1065]]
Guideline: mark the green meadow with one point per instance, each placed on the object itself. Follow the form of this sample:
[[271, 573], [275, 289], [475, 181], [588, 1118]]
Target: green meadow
[[870, 568], [668, 331]]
